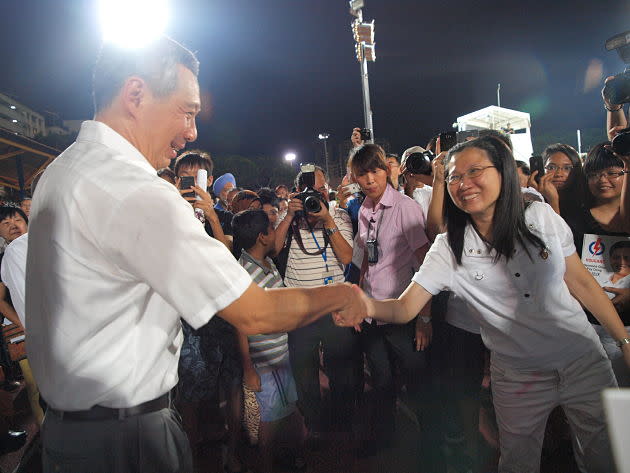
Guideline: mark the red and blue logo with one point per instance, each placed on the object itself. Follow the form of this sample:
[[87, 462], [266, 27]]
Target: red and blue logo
[[597, 247]]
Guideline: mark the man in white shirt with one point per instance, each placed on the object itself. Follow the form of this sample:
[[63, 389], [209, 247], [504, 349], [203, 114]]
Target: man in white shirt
[[116, 256]]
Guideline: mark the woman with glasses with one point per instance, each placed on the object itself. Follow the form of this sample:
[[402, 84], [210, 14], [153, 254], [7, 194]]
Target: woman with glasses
[[517, 270], [562, 185], [603, 214]]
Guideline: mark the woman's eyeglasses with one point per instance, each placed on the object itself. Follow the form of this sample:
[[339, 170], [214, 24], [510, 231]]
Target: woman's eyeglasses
[[554, 168], [471, 174], [610, 175]]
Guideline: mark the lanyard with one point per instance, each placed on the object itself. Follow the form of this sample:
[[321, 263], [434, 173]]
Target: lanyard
[[378, 228], [323, 252]]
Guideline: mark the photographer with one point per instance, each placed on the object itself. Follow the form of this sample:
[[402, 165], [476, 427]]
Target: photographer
[[320, 244]]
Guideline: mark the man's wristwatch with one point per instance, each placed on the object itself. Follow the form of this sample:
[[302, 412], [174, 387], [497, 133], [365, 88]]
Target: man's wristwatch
[[622, 342], [331, 231]]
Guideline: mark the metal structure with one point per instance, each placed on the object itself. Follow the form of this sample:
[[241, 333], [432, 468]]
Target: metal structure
[[363, 34], [21, 158], [324, 137]]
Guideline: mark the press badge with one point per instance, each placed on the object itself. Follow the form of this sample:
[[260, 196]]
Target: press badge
[[328, 277]]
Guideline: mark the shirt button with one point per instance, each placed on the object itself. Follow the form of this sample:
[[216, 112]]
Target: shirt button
[[518, 275], [526, 295]]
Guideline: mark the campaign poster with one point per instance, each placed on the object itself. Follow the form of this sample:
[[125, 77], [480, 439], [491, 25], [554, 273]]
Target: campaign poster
[[608, 260]]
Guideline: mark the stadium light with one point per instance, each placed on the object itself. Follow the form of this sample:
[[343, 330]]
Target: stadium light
[[133, 23], [290, 157]]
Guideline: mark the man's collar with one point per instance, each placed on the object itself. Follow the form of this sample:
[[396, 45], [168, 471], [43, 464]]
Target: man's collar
[[98, 132], [246, 256]]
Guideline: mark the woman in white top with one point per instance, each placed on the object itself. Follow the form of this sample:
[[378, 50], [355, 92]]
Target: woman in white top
[[517, 269]]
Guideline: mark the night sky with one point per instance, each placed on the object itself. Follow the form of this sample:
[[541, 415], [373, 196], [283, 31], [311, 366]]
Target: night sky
[[278, 72]]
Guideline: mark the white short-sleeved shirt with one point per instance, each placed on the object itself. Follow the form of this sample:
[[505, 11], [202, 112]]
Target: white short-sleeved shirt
[[423, 195], [115, 257], [13, 273], [527, 316]]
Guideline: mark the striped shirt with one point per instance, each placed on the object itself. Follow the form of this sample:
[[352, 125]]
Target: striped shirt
[[310, 270], [265, 350]]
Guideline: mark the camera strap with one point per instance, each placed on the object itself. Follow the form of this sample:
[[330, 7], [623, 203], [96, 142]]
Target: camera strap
[[298, 237], [378, 228], [323, 252]]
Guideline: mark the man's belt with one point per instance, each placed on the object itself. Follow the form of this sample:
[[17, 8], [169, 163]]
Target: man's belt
[[109, 413]]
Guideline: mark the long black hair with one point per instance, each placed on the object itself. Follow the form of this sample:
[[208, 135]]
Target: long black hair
[[508, 222], [573, 196]]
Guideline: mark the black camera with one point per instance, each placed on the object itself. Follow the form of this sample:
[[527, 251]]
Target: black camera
[[621, 142], [366, 134], [617, 89], [311, 198], [419, 163]]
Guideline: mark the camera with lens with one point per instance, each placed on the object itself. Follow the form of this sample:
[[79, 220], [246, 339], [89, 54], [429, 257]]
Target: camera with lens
[[621, 142], [366, 134], [617, 89], [311, 199], [419, 163]]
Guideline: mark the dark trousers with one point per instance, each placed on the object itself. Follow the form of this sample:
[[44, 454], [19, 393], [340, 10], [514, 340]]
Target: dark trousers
[[341, 357], [148, 443], [388, 349]]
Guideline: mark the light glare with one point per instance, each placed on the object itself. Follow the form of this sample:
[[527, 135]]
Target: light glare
[[133, 23], [290, 157]]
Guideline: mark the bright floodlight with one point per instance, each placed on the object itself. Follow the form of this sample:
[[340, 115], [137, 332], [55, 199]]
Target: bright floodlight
[[133, 23], [323, 136], [290, 157]]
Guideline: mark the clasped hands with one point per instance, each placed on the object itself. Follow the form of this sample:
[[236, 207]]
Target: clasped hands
[[358, 306]]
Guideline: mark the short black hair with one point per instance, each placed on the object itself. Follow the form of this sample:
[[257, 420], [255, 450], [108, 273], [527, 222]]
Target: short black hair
[[601, 157], [7, 211], [393, 155], [166, 172], [192, 158], [156, 63], [524, 167], [267, 196], [246, 226]]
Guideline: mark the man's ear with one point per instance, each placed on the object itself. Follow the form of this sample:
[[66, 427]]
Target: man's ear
[[133, 94], [263, 239]]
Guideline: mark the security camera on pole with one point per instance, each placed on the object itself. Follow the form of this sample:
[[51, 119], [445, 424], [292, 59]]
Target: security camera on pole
[[364, 38]]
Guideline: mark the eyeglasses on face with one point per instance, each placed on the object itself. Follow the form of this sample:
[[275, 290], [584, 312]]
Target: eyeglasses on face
[[472, 173], [608, 174], [554, 168]]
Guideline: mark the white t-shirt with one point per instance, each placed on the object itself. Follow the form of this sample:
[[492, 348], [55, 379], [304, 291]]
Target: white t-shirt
[[528, 318], [13, 273], [115, 258], [423, 195]]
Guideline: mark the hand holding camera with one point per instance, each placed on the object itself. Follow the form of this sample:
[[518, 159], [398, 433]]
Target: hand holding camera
[[204, 202]]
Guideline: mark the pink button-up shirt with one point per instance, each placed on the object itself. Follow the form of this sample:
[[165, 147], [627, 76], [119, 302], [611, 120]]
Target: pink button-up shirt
[[400, 234]]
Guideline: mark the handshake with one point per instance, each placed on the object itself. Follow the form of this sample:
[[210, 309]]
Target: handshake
[[358, 306]]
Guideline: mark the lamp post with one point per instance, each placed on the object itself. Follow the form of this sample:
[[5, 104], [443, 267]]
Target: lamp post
[[363, 34], [324, 137]]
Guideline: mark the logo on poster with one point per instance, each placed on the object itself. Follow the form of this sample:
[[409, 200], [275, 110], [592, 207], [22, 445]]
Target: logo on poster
[[597, 247]]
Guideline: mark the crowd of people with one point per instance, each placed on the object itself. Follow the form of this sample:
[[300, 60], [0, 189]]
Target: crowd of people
[[424, 279]]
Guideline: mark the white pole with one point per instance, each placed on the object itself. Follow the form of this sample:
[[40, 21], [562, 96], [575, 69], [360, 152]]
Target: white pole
[[499, 94], [579, 138]]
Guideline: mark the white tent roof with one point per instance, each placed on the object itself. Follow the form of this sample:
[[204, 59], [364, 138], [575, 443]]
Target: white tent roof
[[495, 118]]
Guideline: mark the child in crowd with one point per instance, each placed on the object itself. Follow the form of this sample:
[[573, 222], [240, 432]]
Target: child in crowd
[[266, 368]]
